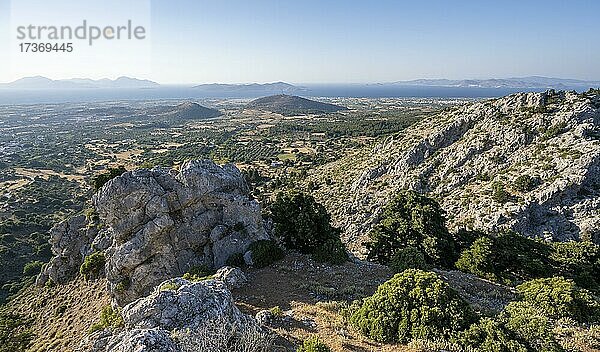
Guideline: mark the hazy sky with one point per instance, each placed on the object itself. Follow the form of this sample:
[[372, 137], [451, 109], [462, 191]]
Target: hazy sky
[[196, 41]]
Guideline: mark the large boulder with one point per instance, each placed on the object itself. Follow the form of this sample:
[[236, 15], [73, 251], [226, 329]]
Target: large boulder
[[176, 306]]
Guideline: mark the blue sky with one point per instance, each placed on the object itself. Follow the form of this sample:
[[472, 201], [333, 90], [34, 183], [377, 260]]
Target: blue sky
[[358, 41]]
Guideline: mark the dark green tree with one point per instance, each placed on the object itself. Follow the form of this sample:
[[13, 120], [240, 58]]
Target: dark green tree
[[304, 225], [411, 219]]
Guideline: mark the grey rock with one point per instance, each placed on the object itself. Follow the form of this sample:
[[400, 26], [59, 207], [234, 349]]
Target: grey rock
[[232, 277], [248, 258], [165, 223], [176, 305], [70, 241], [458, 155], [136, 340], [265, 317], [181, 304]]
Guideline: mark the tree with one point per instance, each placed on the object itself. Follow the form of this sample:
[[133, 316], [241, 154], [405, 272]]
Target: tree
[[411, 219], [303, 224]]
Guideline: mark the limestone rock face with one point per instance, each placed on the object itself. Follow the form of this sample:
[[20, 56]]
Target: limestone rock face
[[70, 241], [174, 305], [158, 224], [460, 156]]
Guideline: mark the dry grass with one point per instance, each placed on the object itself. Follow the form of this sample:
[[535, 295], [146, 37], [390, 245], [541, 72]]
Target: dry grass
[[63, 314]]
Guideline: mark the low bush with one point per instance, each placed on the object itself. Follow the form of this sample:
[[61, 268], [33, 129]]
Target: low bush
[[528, 323], [558, 297], [15, 332], [412, 305], [32, 268], [579, 261], [313, 344], [198, 273], [93, 266], [332, 251], [265, 252], [407, 258], [499, 193], [524, 183], [489, 335], [109, 319], [506, 258], [100, 180]]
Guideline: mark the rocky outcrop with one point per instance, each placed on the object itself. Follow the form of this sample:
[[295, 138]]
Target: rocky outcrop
[[174, 305], [70, 241], [158, 224], [540, 149]]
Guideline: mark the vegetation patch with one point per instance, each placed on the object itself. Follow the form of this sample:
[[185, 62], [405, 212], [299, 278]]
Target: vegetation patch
[[93, 266], [304, 225], [413, 220], [265, 252], [100, 180], [313, 344], [110, 318], [412, 305]]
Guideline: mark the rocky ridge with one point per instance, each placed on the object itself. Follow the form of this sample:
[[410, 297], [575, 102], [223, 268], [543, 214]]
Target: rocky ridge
[[473, 158]]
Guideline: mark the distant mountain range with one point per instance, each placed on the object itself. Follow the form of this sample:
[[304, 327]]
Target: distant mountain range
[[289, 105], [256, 90], [515, 82], [39, 82]]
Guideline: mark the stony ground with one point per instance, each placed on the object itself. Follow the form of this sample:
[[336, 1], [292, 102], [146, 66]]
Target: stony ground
[[310, 297]]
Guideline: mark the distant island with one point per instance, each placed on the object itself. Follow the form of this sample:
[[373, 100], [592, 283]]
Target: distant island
[[39, 82], [290, 105], [515, 82]]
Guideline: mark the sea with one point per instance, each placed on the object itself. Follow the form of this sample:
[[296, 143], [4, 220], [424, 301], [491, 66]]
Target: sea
[[12, 96]]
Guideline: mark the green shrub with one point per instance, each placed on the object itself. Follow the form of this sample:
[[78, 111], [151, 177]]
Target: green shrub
[[530, 326], [412, 220], [489, 335], [198, 273], [235, 260], [276, 311], [332, 251], [579, 261], [304, 225], [407, 258], [32, 268], [109, 319], [558, 297], [524, 183], [265, 252], [507, 258], [499, 193], [173, 286], [93, 266], [412, 305], [313, 344], [100, 180]]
